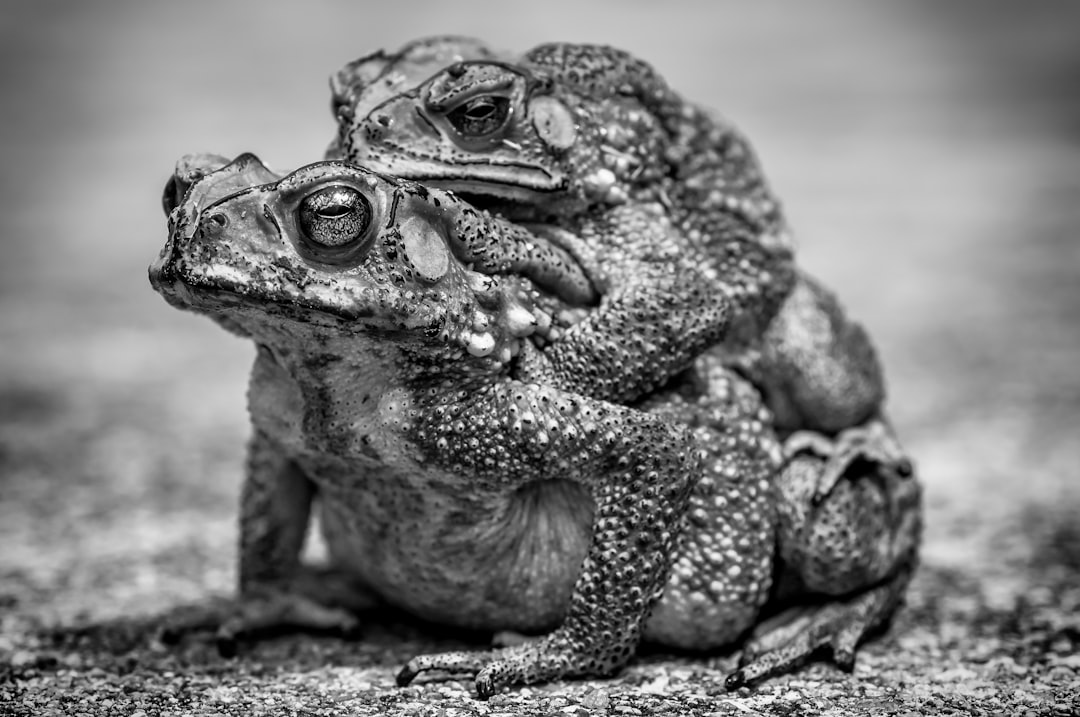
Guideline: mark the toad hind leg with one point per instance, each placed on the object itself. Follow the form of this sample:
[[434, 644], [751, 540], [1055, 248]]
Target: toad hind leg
[[839, 626], [860, 545], [854, 536]]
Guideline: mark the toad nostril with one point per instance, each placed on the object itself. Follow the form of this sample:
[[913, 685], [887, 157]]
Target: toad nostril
[[220, 220]]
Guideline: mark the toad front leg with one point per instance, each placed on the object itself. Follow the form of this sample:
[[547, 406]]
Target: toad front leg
[[659, 306], [650, 330], [276, 591], [639, 470]]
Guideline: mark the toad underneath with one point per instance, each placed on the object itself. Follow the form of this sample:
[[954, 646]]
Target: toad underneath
[[388, 317]]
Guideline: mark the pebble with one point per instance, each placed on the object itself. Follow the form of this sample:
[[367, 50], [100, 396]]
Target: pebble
[[23, 658], [1060, 673], [956, 674], [596, 700], [1071, 661]]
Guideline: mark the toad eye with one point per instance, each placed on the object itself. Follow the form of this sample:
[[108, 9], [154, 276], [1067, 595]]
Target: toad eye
[[481, 115], [334, 217]]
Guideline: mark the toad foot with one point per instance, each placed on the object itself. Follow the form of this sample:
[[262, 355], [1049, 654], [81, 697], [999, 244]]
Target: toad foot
[[540, 660], [873, 442], [308, 603], [839, 626]]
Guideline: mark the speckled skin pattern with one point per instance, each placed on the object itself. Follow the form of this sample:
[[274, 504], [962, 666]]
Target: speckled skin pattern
[[666, 207], [587, 143], [663, 203], [383, 391], [446, 487], [668, 200]]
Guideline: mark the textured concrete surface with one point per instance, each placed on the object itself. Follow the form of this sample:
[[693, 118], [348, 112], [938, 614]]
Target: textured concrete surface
[[930, 161]]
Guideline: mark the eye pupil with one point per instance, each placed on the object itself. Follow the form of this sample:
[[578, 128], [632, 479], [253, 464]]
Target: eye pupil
[[334, 217], [480, 110], [480, 116], [334, 210]]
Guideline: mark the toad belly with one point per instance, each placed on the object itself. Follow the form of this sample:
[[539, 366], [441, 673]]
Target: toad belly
[[488, 562]]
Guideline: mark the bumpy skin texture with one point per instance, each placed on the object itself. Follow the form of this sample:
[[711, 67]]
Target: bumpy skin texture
[[380, 76], [584, 137], [447, 487], [667, 209], [854, 550]]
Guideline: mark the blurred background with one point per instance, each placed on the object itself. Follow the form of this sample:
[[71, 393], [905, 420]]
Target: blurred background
[[928, 155]]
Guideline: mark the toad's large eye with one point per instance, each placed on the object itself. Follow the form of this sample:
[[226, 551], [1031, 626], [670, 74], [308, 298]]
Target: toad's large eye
[[481, 115], [335, 217]]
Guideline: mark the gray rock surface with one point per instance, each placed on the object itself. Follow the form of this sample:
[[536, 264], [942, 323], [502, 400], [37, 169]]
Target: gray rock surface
[[929, 157]]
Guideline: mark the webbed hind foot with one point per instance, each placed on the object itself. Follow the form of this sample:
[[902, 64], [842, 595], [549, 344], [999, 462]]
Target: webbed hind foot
[[839, 626]]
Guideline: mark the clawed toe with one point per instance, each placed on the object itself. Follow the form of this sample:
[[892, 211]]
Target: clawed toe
[[202, 618], [844, 659], [227, 645], [251, 617], [492, 670], [837, 626], [455, 663], [904, 467], [407, 674], [538, 660], [735, 680]]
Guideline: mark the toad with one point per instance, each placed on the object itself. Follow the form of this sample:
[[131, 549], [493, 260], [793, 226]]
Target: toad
[[388, 317], [662, 202]]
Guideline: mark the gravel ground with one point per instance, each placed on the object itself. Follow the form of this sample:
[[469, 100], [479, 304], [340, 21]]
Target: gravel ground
[[930, 160]]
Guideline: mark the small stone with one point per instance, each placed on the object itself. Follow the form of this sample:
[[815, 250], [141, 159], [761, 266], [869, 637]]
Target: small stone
[[1072, 661], [23, 658], [956, 674], [596, 700], [1060, 673]]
